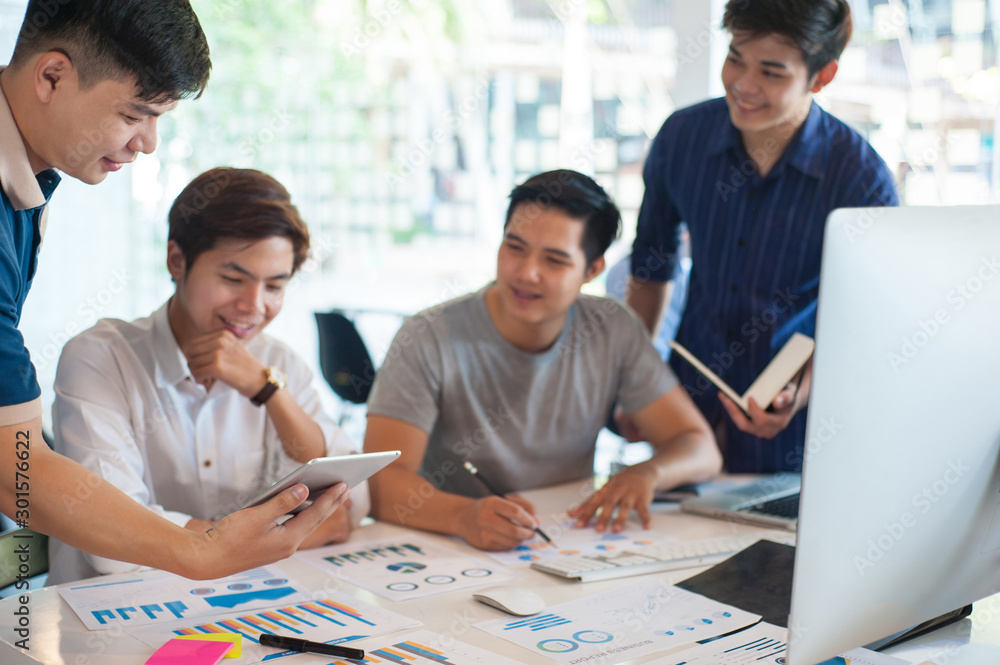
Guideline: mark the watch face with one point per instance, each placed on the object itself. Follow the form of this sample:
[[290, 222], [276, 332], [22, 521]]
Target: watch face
[[276, 376]]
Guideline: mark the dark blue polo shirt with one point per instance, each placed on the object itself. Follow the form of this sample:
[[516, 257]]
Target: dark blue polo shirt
[[20, 236], [756, 245]]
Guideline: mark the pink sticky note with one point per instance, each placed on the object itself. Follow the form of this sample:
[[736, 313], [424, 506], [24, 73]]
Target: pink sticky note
[[190, 652]]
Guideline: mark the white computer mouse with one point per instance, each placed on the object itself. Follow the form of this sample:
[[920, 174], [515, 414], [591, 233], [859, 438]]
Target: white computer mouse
[[512, 600]]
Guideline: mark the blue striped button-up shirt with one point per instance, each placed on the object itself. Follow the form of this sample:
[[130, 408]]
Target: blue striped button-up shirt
[[756, 245]]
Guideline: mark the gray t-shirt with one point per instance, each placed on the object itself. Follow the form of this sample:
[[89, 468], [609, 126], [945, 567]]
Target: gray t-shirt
[[525, 419]]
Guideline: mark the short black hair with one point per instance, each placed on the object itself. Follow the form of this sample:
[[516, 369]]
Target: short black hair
[[158, 43], [226, 203], [579, 197], [820, 29]]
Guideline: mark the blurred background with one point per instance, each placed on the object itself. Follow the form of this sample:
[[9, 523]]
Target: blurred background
[[400, 126]]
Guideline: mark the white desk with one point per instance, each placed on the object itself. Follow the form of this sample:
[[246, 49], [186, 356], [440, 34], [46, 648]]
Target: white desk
[[59, 638]]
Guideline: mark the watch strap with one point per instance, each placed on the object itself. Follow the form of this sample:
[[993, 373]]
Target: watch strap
[[265, 393]]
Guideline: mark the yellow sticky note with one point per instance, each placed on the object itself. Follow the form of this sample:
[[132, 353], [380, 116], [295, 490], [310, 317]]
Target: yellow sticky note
[[235, 638]]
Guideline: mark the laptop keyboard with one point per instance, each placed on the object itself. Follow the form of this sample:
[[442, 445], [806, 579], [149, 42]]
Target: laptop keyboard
[[786, 506]]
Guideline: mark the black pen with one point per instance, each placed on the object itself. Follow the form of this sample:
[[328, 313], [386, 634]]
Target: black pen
[[295, 644], [471, 468]]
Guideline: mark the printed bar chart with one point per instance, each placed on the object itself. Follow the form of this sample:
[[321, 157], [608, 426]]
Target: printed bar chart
[[335, 619], [141, 600], [423, 648]]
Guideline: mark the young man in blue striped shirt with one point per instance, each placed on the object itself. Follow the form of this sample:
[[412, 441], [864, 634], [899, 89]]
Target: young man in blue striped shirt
[[754, 176]]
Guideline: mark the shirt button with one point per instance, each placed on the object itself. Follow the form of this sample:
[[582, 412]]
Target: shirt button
[[741, 242], [729, 334], [734, 288], [208, 463], [751, 194]]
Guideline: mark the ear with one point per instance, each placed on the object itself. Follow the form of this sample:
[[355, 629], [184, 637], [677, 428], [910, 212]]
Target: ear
[[176, 264], [823, 77], [595, 268], [53, 71]]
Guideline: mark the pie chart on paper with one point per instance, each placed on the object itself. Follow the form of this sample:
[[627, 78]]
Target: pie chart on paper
[[406, 567]]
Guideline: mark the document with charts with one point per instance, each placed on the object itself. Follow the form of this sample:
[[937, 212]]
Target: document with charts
[[422, 647], [142, 599], [404, 568], [763, 644], [632, 621], [333, 618], [569, 541]]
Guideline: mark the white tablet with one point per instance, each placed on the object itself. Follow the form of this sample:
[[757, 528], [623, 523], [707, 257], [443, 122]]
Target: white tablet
[[323, 472]]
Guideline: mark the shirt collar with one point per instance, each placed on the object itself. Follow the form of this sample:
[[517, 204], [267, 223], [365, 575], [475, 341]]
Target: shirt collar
[[173, 366], [17, 178], [805, 152]]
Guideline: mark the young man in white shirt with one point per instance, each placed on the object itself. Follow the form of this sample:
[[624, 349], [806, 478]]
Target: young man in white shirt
[[192, 411]]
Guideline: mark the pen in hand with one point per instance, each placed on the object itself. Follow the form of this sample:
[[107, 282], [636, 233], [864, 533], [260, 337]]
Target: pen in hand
[[471, 468]]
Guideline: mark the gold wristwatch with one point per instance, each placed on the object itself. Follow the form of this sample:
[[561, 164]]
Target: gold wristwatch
[[275, 382]]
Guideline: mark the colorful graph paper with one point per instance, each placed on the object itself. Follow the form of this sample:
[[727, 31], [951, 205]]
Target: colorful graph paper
[[336, 619], [422, 648], [151, 598]]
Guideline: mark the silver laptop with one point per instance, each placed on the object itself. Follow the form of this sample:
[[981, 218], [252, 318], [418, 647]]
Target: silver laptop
[[772, 501]]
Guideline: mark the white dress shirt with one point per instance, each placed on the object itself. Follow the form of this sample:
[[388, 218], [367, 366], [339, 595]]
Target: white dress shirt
[[128, 409]]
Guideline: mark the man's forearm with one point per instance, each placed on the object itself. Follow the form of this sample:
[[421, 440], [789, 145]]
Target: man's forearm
[[648, 299], [405, 497], [300, 436], [687, 458], [50, 493]]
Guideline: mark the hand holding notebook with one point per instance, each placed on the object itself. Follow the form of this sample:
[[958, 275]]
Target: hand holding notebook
[[779, 372]]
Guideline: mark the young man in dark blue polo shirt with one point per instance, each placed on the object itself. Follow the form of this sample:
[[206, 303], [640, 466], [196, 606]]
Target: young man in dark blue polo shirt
[[754, 176], [82, 94]]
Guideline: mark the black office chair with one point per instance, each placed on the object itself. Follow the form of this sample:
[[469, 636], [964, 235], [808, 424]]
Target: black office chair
[[344, 358]]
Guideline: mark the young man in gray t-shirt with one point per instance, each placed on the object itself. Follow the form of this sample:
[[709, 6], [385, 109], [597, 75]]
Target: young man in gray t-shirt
[[519, 378]]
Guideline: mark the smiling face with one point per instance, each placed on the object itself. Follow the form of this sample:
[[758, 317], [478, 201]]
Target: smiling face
[[768, 87], [89, 132], [541, 267], [235, 286]]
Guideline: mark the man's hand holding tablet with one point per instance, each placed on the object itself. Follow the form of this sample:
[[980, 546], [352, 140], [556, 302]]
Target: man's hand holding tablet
[[325, 472]]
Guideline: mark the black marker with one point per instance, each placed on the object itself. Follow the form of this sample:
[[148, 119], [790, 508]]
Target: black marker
[[471, 468], [294, 644]]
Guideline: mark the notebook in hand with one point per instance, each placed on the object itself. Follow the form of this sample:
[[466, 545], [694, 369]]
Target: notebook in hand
[[779, 372]]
